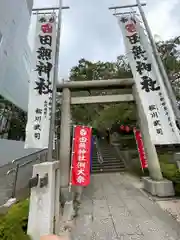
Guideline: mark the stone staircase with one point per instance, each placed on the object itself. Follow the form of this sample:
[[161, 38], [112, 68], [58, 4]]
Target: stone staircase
[[110, 160]]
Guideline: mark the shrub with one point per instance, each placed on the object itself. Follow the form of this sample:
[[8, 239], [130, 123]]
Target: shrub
[[13, 225], [170, 171]]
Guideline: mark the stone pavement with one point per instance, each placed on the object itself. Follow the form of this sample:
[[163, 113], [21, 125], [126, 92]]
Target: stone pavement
[[172, 207], [113, 208]]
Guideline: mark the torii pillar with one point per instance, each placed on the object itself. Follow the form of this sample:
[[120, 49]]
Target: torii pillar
[[65, 147], [155, 184]]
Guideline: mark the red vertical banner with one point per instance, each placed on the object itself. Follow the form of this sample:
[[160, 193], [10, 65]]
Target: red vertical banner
[[140, 146], [81, 156]]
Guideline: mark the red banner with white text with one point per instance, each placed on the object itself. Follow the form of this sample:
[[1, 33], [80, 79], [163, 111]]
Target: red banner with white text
[[81, 156], [140, 146]]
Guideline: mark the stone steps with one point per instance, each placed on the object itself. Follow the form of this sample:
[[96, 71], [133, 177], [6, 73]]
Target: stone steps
[[111, 162]]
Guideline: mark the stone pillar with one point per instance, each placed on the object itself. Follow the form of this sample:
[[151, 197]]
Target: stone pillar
[[155, 185], [153, 161], [44, 209], [65, 136]]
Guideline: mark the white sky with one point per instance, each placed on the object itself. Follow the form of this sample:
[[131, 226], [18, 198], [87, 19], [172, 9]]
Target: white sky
[[89, 30]]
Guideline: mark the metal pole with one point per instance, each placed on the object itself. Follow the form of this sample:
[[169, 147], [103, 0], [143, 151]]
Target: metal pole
[[126, 6], [160, 64], [15, 181], [53, 115], [48, 9]]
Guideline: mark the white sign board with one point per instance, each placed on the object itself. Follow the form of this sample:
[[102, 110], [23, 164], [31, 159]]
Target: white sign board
[[150, 86], [41, 84]]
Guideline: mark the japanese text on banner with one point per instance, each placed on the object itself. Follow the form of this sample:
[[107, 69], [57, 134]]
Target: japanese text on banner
[[41, 84], [81, 156], [151, 90], [140, 147]]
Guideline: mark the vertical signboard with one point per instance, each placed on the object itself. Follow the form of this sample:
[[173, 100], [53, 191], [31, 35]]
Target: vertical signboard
[[81, 156], [153, 95], [41, 83]]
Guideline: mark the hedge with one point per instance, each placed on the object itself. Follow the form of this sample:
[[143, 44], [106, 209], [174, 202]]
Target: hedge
[[13, 225], [170, 171]]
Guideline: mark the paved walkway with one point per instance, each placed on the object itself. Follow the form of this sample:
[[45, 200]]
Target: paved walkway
[[113, 208]]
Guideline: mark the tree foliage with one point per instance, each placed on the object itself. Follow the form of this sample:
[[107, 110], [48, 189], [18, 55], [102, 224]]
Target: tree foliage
[[103, 115], [100, 115], [170, 54], [86, 70], [12, 120]]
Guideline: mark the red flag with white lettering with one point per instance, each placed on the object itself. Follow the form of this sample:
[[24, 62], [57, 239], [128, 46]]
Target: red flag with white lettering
[[140, 146], [81, 156]]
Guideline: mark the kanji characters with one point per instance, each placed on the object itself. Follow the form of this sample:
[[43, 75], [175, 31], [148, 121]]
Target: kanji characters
[[157, 123], [44, 53], [82, 145], [45, 108], [44, 68], [38, 111], [38, 118], [43, 87], [152, 107], [133, 38], [52, 19], [81, 172], [42, 19], [124, 19], [82, 139], [159, 131], [149, 85], [45, 40], [138, 52], [82, 151], [80, 179], [154, 114], [141, 66], [81, 158], [37, 127], [81, 164], [81, 155], [37, 135]]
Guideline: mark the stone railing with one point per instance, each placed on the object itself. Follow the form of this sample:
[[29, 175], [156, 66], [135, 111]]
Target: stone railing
[[14, 177]]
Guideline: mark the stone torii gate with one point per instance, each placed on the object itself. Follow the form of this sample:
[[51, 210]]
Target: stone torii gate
[[156, 185]]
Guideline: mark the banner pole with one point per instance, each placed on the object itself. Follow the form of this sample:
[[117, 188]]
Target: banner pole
[[72, 153], [56, 64], [160, 65]]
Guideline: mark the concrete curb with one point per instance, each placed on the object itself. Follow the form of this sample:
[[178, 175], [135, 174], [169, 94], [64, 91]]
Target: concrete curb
[[5, 207]]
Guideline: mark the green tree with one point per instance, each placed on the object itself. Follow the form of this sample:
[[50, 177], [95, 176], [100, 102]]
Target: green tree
[[99, 115], [15, 117], [170, 54], [103, 115]]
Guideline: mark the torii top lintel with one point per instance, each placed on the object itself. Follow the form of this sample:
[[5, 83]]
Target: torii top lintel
[[95, 84]]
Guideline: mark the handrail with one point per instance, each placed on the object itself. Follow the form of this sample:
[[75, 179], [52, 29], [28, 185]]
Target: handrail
[[19, 165], [19, 159], [99, 154], [27, 162]]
